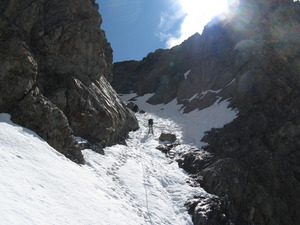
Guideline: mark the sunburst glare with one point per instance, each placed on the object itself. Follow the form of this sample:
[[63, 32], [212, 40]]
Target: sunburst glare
[[195, 14]]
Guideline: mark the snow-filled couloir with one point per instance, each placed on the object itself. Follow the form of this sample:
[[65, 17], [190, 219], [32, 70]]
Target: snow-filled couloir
[[133, 184]]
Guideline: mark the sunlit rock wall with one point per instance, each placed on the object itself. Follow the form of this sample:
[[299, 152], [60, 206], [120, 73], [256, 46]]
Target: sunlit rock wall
[[55, 63]]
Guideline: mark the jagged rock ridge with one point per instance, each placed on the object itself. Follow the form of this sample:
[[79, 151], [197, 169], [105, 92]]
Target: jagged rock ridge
[[55, 68], [251, 58]]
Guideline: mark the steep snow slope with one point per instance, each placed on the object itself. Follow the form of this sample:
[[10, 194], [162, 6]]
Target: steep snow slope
[[134, 184]]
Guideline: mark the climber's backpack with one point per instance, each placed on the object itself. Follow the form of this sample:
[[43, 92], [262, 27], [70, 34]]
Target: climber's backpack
[[150, 121]]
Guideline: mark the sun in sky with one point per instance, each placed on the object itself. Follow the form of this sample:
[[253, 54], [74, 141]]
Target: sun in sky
[[193, 14]]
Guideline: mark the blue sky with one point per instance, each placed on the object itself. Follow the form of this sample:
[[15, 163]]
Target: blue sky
[[136, 27]]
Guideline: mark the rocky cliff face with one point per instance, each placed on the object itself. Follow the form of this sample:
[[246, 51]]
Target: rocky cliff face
[[160, 72], [253, 59], [55, 67]]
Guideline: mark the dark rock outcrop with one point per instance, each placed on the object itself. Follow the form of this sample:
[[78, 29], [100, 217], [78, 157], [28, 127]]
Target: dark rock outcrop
[[54, 72], [207, 210], [42, 116], [193, 161], [168, 149], [251, 58], [134, 107], [167, 137]]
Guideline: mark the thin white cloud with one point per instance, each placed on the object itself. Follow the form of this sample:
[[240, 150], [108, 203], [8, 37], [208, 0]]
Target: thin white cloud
[[169, 24], [191, 16]]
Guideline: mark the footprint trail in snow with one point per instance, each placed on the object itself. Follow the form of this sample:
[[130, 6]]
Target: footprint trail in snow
[[153, 185], [141, 176]]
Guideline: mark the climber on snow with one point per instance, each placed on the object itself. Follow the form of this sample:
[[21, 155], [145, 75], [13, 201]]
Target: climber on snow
[[150, 124]]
